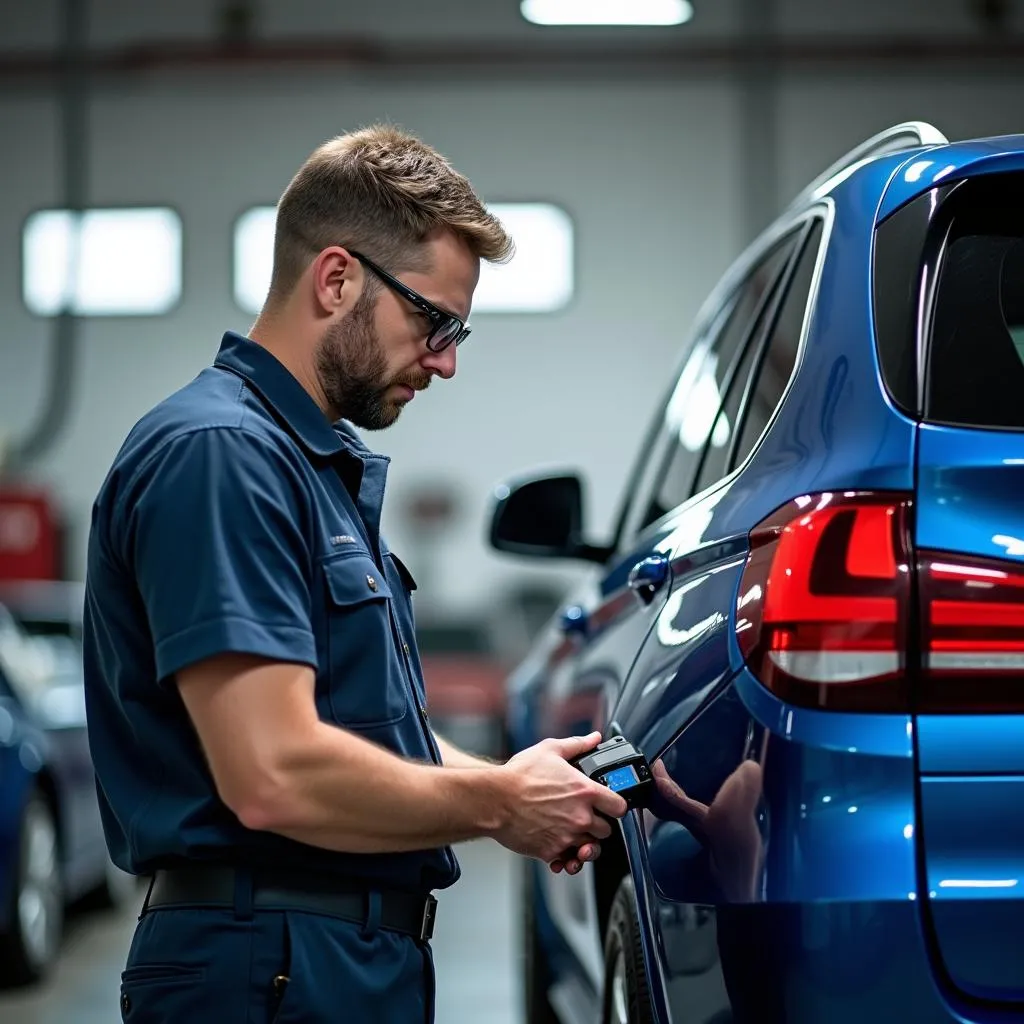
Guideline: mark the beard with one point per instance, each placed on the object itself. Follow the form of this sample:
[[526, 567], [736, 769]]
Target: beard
[[353, 371]]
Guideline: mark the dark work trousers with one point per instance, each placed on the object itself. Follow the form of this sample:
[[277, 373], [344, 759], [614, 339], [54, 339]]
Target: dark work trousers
[[242, 966]]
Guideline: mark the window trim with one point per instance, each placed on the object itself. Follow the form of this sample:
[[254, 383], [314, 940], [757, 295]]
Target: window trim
[[764, 341], [761, 324], [825, 212], [711, 316]]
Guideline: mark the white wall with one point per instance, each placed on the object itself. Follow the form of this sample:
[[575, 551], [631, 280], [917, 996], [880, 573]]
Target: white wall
[[647, 172], [649, 169]]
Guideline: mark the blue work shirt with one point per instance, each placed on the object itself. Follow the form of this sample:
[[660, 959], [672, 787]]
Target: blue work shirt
[[236, 518]]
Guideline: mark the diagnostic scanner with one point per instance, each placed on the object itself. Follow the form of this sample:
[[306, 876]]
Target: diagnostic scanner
[[617, 764]]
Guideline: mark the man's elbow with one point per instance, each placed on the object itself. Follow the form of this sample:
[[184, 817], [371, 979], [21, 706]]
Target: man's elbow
[[262, 800]]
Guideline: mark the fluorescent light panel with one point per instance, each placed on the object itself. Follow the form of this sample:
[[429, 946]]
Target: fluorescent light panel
[[538, 279], [254, 256], [540, 276], [117, 262], [607, 12]]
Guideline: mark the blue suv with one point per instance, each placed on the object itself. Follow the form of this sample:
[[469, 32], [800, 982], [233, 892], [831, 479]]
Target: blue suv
[[810, 617]]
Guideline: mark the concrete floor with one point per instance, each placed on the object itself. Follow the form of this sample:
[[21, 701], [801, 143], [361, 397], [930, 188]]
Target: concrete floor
[[475, 953]]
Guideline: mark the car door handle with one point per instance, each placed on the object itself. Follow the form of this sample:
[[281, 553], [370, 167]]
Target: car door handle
[[646, 578]]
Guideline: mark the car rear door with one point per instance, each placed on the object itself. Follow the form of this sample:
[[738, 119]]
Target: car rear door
[[606, 629], [969, 540]]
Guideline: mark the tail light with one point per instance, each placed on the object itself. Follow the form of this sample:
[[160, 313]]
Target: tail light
[[822, 618], [972, 633]]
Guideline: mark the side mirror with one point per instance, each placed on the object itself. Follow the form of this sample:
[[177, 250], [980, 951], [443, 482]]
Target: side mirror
[[543, 517]]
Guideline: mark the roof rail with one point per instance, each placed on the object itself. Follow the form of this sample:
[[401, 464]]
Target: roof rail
[[908, 135]]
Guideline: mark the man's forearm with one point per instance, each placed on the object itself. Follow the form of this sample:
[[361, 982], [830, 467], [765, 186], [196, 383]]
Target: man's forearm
[[343, 793], [452, 757]]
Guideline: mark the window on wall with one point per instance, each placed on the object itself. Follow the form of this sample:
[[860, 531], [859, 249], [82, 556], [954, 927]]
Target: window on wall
[[540, 277], [253, 256], [110, 262]]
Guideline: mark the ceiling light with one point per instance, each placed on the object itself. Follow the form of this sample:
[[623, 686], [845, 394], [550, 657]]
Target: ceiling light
[[607, 12]]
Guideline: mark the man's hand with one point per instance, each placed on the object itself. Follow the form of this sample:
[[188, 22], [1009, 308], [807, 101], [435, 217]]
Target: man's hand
[[556, 810]]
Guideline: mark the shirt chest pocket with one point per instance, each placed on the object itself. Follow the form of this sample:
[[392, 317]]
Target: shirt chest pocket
[[366, 682]]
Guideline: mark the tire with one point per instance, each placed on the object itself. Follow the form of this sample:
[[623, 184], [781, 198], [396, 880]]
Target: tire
[[627, 999], [29, 949], [536, 1008]]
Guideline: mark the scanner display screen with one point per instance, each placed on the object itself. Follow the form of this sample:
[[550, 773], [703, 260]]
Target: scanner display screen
[[621, 778]]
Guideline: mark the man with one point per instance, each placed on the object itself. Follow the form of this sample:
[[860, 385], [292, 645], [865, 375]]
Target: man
[[255, 699]]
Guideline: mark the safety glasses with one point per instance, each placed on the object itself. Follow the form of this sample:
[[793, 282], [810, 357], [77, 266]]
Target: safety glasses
[[445, 328]]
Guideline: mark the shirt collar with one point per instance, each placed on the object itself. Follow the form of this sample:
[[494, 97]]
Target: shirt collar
[[289, 399]]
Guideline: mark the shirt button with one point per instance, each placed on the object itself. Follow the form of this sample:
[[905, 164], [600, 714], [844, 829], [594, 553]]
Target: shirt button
[[126, 1005], [405, 647], [372, 583]]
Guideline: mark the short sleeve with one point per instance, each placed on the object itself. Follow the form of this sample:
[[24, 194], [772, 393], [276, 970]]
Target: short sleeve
[[216, 541]]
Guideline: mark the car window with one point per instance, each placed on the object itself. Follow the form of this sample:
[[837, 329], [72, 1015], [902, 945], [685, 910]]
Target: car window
[[691, 411], [777, 358], [976, 357], [716, 455]]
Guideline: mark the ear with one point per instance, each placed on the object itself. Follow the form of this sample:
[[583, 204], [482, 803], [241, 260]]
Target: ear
[[337, 280]]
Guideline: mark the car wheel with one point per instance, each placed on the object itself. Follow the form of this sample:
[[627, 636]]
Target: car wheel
[[36, 912], [537, 1009], [626, 997]]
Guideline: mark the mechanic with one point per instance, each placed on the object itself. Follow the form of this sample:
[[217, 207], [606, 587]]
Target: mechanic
[[254, 694]]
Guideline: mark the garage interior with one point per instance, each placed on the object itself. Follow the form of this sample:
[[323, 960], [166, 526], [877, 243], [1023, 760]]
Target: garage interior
[[639, 161]]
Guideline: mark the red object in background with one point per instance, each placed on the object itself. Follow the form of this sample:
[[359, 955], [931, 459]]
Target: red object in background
[[464, 684], [28, 535]]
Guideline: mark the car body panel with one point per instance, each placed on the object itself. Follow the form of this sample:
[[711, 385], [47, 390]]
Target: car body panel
[[925, 168], [785, 887], [971, 502], [786, 869]]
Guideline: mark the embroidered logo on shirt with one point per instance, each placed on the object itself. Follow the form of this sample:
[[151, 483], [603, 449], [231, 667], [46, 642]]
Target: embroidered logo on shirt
[[343, 538]]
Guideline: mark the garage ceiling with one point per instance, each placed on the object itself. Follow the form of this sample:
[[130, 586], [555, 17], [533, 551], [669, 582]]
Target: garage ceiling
[[454, 36]]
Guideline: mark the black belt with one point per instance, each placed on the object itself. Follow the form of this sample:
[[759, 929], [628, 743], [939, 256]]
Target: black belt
[[214, 886]]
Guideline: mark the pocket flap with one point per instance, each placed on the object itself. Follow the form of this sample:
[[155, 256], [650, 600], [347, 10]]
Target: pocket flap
[[354, 579]]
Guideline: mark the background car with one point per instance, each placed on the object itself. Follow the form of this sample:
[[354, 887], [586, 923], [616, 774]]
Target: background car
[[52, 849], [811, 618]]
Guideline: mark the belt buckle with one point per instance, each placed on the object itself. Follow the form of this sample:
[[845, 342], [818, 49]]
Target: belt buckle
[[427, 924]]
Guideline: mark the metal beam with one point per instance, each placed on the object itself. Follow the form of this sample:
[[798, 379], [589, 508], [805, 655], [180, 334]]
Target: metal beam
[[486, 58]]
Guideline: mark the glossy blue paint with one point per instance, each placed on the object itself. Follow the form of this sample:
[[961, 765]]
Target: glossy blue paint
[[782, 872], [878, 735], [979, 744], [974, 860], [971, 492], [970, 499], [924, 169]]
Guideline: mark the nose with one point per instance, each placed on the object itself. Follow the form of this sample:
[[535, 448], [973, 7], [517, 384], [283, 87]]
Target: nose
[[441, 363]]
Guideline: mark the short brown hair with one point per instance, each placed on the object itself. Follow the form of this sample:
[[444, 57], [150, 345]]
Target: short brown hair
[[383, 192]]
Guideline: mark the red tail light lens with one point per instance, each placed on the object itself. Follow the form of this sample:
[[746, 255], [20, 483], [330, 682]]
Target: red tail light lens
[[822, 611], [972, 633]]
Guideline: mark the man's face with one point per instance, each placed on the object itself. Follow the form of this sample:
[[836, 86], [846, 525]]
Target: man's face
[[372, 362]]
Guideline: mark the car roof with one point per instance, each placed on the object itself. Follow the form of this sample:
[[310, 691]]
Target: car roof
[[927, 167]]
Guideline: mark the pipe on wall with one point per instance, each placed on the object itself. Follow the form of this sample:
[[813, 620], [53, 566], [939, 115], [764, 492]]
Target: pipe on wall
[[73, 74], [905, 54]]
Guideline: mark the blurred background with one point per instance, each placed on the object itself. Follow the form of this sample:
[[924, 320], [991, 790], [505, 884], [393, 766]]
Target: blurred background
[[143, 148]]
